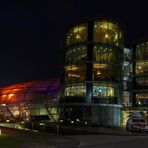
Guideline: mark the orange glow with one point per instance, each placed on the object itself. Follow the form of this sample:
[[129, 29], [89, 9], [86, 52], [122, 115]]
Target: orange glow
[[10, 96], [14, 93], [5, 92], [71, 68]]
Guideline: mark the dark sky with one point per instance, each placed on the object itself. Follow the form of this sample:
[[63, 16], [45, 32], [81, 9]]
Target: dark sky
[[31, 32]]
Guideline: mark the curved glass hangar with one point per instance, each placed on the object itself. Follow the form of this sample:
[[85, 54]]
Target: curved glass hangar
[[140, 74], [30, 101], [92, 73]]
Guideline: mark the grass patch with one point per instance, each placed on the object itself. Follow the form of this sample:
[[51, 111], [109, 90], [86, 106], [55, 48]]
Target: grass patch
[[7, 141]]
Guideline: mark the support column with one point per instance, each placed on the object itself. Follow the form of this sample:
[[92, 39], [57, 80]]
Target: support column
[[89, 74]]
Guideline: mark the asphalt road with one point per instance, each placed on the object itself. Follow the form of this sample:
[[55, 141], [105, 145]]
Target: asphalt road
[[43, 140], [109, 141]]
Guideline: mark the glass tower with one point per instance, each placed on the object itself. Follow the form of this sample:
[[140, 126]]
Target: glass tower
[[92, 73]]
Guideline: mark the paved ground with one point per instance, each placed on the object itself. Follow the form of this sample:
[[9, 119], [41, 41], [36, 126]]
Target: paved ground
[[110, 141], [41, 140], [105, 138]]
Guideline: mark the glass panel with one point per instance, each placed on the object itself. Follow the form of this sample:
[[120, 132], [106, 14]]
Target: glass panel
[[75, 73], [142, 99], [76, 55], [142, 50], [126, 69], [103, 91], [77, 34], [78, 90], [126, 98], [142, 81], [127, 54], [105, 72], [104, 54], [142, 67], [107, 32]]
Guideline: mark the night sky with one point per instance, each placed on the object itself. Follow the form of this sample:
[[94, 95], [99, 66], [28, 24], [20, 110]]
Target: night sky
[[31, 32]]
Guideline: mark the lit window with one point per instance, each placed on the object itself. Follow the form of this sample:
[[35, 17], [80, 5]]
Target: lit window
[[107, 32], [77, 36], [79, 90], [106, 35], [103, 91]]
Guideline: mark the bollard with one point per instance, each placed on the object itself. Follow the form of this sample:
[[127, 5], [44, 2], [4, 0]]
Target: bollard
[[57, 129]]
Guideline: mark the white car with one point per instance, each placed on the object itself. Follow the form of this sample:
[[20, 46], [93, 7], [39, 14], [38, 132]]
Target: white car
[[137, 124]]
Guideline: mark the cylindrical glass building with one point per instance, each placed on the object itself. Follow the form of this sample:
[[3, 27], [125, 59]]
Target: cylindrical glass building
[[140, 74], [92, 73]]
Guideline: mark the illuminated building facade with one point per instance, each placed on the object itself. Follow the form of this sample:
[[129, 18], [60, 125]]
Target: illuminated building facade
[[102, 82], [140, 74], [30, 101], [92, 73]]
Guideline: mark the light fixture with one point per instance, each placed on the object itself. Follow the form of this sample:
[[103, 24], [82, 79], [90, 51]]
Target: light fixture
[[3, 104], [139, 67], [139, 102], [61, 120], [100, 90], [42, 123], [10, 95], [77, 36], [106, 35], [72, 122], [98, 72], [74, 75], [77, 120], [7, 121]]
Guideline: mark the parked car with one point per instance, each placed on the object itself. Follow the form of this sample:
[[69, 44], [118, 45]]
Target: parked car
[[137, 115], [137, 124]]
